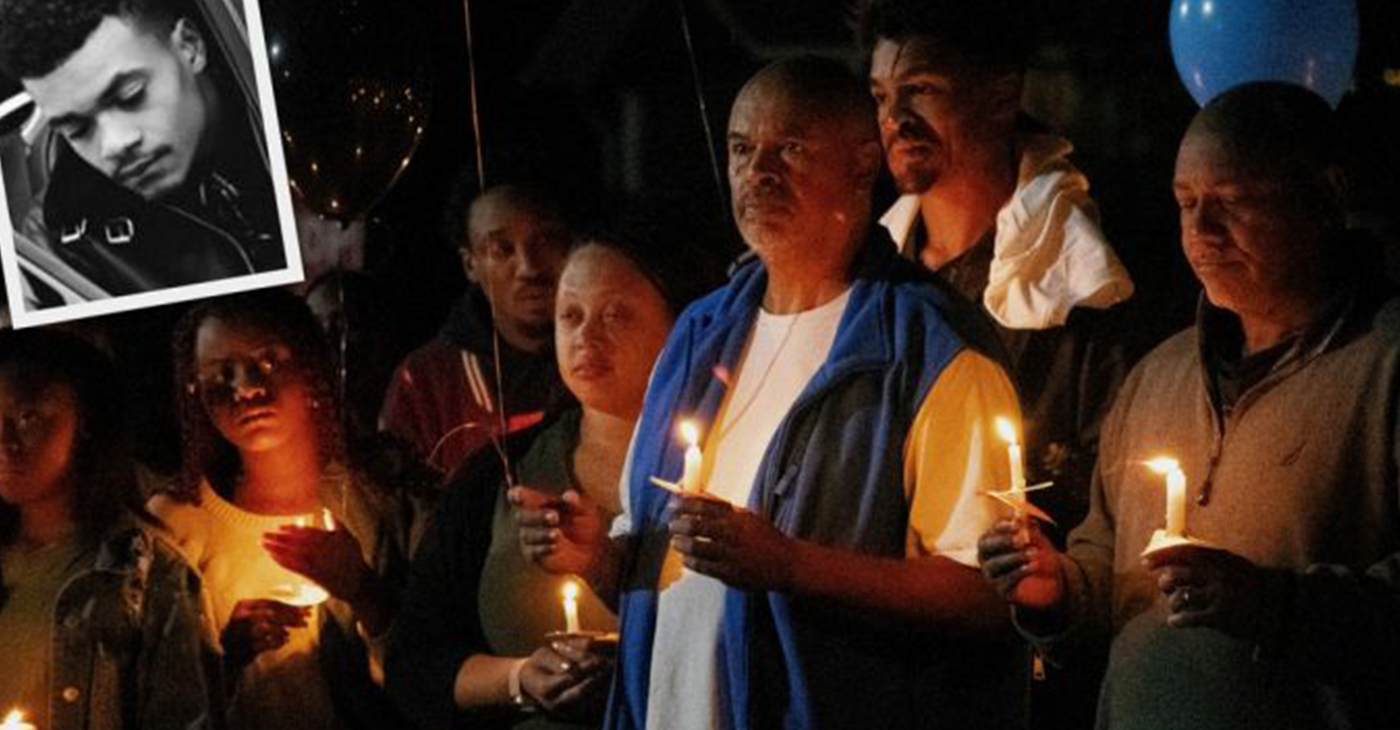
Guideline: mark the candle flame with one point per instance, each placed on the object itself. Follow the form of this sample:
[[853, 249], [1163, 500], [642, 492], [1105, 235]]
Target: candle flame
[[1163, 465], [14, 720], [570, 591], [328, 519], [1006, 430], [690, 432]]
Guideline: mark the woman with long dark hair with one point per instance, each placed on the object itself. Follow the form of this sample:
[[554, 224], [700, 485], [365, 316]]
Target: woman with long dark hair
[[99, 621], [302, 553]]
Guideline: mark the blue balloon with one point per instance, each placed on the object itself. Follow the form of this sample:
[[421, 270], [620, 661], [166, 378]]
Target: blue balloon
[[1219, 44]]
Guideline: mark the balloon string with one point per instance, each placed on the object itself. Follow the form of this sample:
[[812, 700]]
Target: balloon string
[[476, 113], [704, 110], [499, 441]]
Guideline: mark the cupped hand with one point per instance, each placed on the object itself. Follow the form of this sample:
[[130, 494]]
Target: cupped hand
[[331, 558], [1213, 588], [259, 625], [567, 678]]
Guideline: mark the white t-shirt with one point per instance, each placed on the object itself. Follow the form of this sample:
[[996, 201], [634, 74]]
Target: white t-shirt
[[782, 354]]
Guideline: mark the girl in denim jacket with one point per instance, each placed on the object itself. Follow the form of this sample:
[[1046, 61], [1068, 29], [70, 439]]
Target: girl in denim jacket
[[99, 623]]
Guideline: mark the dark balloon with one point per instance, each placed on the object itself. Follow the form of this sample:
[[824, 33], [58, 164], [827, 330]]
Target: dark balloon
[[353, 89]]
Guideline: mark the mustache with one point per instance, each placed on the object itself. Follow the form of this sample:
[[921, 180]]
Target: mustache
[[764, 192], [912, 131]]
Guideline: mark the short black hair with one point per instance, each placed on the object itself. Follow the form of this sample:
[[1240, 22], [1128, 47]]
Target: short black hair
[[101, 467], [664, 245], [463, 194], [37, 36], [989, 34]]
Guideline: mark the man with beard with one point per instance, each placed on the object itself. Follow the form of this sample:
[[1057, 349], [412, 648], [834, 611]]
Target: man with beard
[[992, 204], [157, 170], [1282, 405], [496, 349], [848, 433]]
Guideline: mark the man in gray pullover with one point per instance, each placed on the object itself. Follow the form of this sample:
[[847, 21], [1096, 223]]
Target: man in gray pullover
[[1282, 406]]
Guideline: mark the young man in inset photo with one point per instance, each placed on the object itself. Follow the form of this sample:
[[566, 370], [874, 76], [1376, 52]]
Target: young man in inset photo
[[153, 168]]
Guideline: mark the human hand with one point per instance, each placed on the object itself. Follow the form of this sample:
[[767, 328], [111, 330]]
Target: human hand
[[567, 678], [259, 625], [730, 543], [562, 535], [331, 558], [1022, 565], [1212, 588]]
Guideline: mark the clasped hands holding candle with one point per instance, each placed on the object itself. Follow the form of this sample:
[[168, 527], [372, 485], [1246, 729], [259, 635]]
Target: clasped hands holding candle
[[1203, 586], [713, 537]]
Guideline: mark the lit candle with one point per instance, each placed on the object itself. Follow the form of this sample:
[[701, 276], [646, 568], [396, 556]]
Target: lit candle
[[690, 477], [327, 519], [15, 721], [1007, 432], [1176, 494], [571, 607]]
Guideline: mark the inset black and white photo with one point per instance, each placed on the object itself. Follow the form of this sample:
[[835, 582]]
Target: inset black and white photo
[[134, 140]]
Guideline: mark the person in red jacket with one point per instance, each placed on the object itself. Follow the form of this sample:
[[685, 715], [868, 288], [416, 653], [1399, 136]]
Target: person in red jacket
[[445, 398]]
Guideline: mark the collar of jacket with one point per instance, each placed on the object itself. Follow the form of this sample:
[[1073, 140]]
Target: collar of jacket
[[1049, 255], [1356, 301], [693, 373], [127, 550]]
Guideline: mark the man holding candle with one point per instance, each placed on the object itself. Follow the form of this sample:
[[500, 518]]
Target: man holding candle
[[1281, 407], [992, 204], [846, 432]]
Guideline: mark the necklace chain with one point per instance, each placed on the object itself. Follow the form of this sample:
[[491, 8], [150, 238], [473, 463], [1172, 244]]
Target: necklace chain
[[728, 423]]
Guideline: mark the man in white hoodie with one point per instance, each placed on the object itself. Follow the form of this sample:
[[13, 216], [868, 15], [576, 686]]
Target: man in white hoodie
[[991, 203]]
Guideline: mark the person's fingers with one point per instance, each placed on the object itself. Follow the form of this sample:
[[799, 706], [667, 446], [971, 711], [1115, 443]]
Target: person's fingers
[[1174, 577], [688, 525], [713, 568], [705, 509], [699, 547], [1194, 611], [577, 691], [1006, 565], [285, 615], [537, 518], [995, 542], [539, 535], [548, 661], [573, 649]]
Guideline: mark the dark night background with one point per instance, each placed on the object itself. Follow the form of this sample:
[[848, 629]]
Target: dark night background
[[599, 97]]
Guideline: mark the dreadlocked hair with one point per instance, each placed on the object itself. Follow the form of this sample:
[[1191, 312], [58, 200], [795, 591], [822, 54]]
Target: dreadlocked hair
[[207, 454]]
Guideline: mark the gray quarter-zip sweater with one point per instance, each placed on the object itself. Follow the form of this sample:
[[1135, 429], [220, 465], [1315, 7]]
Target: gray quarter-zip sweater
[[1299, 475]]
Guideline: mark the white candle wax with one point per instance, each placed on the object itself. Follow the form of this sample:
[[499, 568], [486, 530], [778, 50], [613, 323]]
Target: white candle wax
[[1007, 432], [571, 608], [1018, 474], [694, 460], [1176, 503], [1176, 494]]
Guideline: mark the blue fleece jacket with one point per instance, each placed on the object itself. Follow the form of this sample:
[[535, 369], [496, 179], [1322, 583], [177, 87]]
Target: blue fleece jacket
[[833, 474]]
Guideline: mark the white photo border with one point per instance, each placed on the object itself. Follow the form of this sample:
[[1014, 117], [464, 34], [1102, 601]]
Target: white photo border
[[272, 132]]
